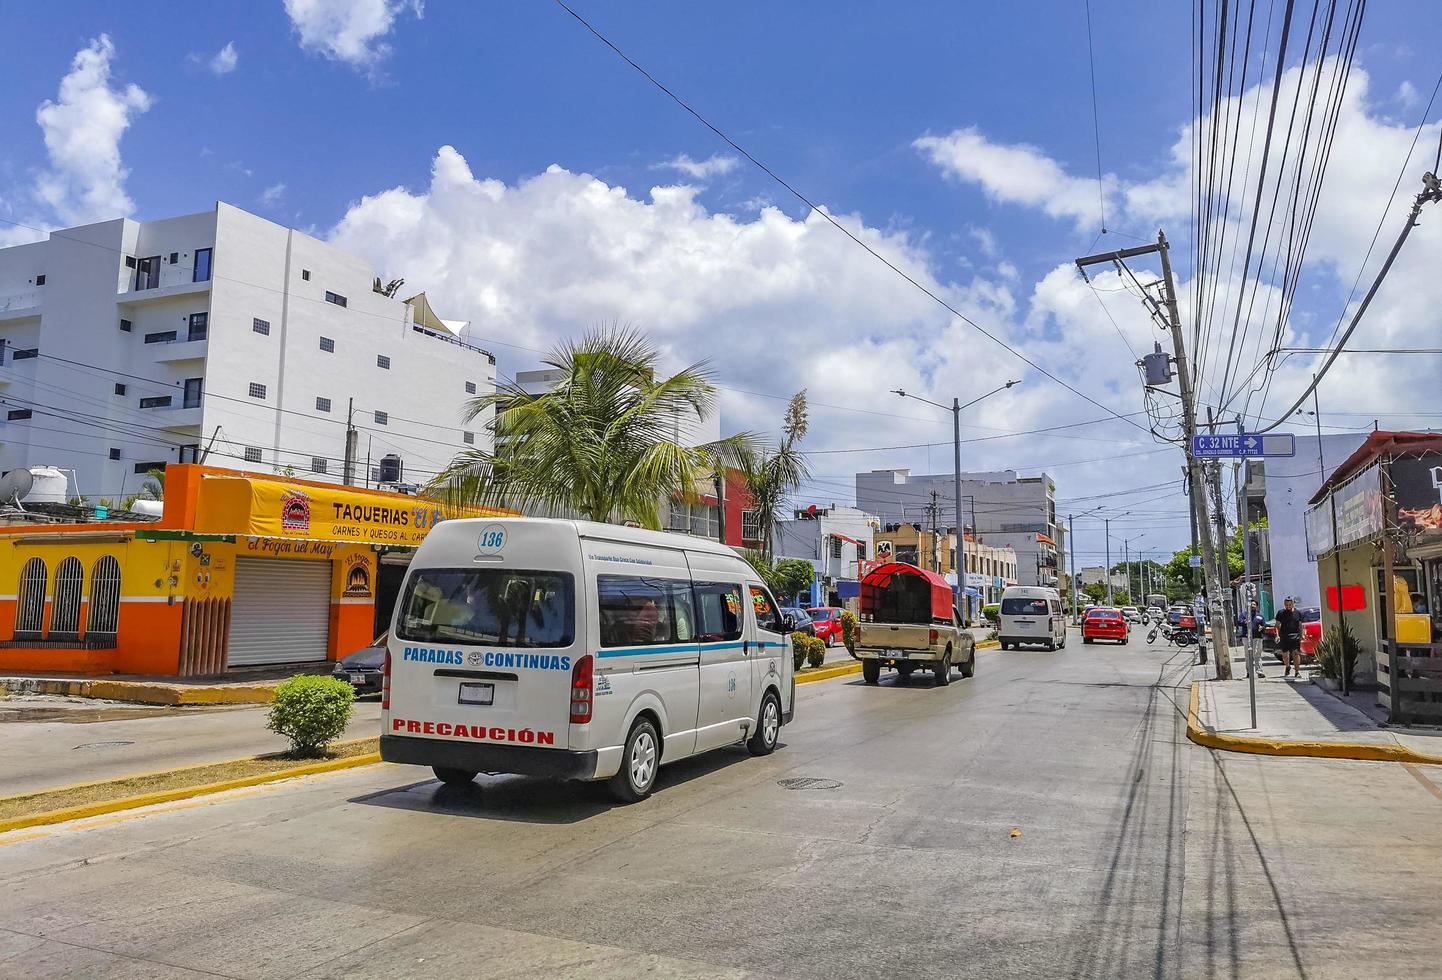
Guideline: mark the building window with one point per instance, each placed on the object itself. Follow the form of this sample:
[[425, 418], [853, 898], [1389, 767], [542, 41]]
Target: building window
[[119, 388], [637, 611], [174, 257], [157, 401], [40, 280], [469, 438], [835, 547], [327, 345], [750, 525], [257, 390], [125, 324], [198, 327], [190, 453], [470, 387], [861, 554], [25, 353], [16, 414], [718, 611], [150, 467], [305, 274], [335, 298], [252, 454], [317, 464], [104, 613], [65, 613], [200, 272], [160, 337], [382, 418], [114, 453], [147, 272], [194, 387], [30, 598], [322, 404], [260, 326], [382, 361]]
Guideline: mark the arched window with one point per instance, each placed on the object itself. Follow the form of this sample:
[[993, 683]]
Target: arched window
[[104, 615], [30, 598], [69, 586]]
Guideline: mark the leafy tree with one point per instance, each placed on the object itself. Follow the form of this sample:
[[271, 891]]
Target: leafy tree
[[773, 475], [1121, 597], [152, 489], [601, 443], [792, 576], [1094, 591]]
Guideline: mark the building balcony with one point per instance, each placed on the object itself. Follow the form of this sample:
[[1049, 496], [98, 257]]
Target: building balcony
[[129, 296], [20, 306], [180, 349], [176, 419]]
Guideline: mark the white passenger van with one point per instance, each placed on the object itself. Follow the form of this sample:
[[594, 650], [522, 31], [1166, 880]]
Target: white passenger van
[[579, 650], [1031, 614]]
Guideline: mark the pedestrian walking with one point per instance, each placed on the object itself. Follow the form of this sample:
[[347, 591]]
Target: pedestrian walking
[[1255, 623], [1289, 638]]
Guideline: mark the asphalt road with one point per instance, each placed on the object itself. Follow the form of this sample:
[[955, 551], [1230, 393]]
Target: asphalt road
[[1047, 818]]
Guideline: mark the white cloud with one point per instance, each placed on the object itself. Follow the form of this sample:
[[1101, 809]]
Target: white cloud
[[225, 59], [985, 240], [85, 179], [272, 194], [1013, 174], [712, 166], [351, 31]]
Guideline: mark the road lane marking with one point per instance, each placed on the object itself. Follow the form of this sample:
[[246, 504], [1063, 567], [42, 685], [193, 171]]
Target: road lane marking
[[1421, 777]]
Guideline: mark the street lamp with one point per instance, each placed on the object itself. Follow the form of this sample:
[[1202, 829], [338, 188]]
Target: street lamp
[[1127, 553], [956, 407]]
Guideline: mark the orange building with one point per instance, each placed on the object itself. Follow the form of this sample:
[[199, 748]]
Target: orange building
[[241, 569]]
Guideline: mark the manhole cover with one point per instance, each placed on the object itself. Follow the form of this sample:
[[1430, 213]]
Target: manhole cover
[[808, 782], [102, 745]]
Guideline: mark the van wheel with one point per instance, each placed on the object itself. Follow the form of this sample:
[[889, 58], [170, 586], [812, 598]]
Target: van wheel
[[454, 777], [768, 726], [871, 671], [943, 669], [639, 763], [968, 669]]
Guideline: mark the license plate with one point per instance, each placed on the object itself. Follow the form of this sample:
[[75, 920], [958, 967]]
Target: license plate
[[477, 694], [357, 678], [897, 654]]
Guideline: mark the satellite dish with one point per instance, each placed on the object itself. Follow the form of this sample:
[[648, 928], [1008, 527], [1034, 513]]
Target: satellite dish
[[14, 485]]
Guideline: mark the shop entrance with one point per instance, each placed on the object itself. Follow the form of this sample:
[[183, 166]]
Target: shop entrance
[[390, 573], [281, 612]]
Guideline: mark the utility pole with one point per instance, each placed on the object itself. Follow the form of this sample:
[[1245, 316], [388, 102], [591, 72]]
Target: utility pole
[[1071, 549], [1107, 569], [720, 486], [935, 548], [963, 600], [352, 439], [1196, 478]]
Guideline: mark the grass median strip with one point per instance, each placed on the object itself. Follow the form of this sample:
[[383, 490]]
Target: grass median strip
[[128, 792]]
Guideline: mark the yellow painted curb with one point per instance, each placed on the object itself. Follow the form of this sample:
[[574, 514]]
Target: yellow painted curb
[[988, 644], [826, 673], [179, 793], [1300, 748]]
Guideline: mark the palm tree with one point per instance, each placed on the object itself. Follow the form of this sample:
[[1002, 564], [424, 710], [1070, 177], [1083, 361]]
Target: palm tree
[[152, 489], [601, 444], [773, 475]]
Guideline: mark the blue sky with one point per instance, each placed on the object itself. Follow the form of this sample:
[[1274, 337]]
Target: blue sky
[[317, 114]]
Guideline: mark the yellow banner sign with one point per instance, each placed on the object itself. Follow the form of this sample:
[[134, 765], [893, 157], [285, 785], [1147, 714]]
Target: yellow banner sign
[[272, 509]]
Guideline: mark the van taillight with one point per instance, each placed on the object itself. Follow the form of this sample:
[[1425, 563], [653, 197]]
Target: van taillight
[[581, 678], [935, 637], [386, 681]]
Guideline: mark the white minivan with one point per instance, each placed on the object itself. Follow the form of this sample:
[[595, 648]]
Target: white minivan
[[579, 650], [1031, 614]]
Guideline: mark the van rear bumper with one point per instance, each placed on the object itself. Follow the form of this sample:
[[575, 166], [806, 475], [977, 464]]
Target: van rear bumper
[[522, 760]]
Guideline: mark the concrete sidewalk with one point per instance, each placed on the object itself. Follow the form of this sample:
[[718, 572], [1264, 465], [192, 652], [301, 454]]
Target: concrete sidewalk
[[1296, 717], [246, 687]]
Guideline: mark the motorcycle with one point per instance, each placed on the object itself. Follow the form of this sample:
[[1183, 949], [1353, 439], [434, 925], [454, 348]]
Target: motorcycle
[[1180, 635]]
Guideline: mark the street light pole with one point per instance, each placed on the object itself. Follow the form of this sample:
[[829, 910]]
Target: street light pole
[[1107, 569], [955, 408]]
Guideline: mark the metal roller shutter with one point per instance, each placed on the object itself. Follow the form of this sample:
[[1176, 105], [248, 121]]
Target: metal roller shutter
[[281, 611]]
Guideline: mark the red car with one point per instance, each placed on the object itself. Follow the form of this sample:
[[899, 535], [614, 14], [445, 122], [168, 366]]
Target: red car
[[1102, 623], [827, 620]]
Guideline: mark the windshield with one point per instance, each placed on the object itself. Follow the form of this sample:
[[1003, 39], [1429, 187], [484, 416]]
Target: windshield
[[820, 615], [497, 607], [1310, 615], [1016, 606]]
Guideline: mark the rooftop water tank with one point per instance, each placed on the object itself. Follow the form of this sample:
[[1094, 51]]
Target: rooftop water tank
[[153, 508], [51, 486]]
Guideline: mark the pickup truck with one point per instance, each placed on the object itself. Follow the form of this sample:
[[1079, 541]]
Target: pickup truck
[[908, 621]]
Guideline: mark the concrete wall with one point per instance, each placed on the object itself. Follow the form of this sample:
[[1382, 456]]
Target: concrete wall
[[1290, 482]]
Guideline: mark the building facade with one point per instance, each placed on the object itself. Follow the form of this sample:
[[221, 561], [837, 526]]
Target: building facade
[[837, 540], [1001, 508], [989, 569], [222, 336]]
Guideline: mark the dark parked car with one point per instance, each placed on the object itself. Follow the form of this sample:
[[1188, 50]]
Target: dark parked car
[[798, 620], [362, 669]]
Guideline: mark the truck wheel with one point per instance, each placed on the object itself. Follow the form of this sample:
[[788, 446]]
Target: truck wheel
[[968, 669], [453, 777], [768, 726], [943, 669], [639, 762], [871, 671]]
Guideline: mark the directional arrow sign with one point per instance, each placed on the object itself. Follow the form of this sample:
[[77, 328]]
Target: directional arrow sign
[[1243, 445]]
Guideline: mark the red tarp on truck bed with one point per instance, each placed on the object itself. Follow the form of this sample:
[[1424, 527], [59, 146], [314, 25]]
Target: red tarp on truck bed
[[898, 575]]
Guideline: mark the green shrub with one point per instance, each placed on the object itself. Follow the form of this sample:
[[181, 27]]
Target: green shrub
[[848, 630], [992, 613], [816, 652], [311, 711], [1338, 646], [800, 646]]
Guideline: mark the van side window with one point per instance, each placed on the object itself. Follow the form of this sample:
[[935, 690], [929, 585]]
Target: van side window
[[767, 617], [638, 611], [718, 611]]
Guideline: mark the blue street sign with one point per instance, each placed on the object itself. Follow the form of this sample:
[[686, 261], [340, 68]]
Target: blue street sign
[[1194, 561], [1243, 445]]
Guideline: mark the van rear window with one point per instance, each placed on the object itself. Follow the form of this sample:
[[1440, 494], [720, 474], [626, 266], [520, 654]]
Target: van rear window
[[1016, 606], [498, 607]]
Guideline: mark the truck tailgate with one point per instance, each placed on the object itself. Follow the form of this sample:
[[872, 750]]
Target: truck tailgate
[[894, 636]]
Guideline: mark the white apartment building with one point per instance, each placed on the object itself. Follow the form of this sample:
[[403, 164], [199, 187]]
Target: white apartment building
[[226, 338]]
